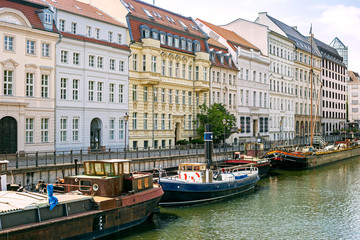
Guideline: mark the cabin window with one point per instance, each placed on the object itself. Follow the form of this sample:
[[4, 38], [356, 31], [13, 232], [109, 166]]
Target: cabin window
[[89, 169], [139, 183], [189, 168], [196, 168], [182, 167], [116, 167], [99, 169], [108, 169], [85, 185], [146, 182]]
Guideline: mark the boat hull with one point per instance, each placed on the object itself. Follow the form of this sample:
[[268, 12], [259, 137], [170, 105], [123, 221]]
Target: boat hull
[[90, 224], [177, 193]]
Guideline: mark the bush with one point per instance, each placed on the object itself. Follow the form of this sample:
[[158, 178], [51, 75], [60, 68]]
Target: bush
[[182, 142], [197, 141]]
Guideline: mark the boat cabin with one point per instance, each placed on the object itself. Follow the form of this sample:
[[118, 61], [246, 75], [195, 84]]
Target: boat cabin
[[254, 149], [193, 172], [108, 178]]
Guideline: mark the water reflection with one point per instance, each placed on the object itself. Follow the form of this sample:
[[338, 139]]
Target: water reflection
[[322, 203]]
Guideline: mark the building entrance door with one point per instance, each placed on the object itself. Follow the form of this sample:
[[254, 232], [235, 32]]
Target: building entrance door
[[8, 135], [255, 127], [95, 134]]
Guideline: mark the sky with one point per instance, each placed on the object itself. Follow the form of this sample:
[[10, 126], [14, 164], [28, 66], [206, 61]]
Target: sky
[[330, 18]]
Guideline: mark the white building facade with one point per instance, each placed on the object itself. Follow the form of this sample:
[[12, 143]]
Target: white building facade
[[281, 81], [252, 82], [91, 80]]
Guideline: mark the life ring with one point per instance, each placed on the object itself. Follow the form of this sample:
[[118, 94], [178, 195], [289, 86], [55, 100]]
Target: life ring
[[179, 175], [95, 187], [185, 176], [197, 174]]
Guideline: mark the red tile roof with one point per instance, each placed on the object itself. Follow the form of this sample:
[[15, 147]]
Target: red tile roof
[[27, 9], [216, 46], [80, 8], [93, 40], [232, 38], [139, 12], [135, 30]]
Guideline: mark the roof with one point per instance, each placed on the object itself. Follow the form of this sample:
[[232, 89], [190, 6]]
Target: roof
[[216, 47], [79, 8], [300, 40], [354, 77], [329, 52], [162, 17], [232, 38], [28, 9], [93, 40], [336, 43]]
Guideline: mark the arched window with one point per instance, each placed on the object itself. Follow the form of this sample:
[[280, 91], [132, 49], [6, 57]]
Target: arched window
[[145, 31]]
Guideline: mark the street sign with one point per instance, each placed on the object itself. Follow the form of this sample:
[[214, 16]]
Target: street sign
[[208, 136]]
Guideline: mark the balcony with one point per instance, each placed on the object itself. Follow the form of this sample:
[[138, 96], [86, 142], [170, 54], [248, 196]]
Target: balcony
[[149, 78], [202, 86]]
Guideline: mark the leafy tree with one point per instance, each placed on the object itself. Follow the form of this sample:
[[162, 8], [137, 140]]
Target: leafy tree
[[214, 115]]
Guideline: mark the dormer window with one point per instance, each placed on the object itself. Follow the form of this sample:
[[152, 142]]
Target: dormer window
[[145, 31], [162, 38], [77, 7], [172, 19], [222, 59], [197, 46], [48, 18], [189, 45], [159, 15], [155, 34], [176, 41], [168, 18], [148, 13], [183, 43], [131, 6], [170, 39]]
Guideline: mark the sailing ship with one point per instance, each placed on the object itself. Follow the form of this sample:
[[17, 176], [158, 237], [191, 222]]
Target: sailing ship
[[107, 199]]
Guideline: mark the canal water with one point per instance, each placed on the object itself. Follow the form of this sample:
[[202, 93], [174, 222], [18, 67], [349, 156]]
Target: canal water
[[321, 203]]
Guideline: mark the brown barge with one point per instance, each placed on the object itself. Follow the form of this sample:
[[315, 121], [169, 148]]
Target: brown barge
[[107, 199]]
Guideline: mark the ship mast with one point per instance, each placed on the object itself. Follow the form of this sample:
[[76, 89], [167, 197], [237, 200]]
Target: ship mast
[[311, 88]]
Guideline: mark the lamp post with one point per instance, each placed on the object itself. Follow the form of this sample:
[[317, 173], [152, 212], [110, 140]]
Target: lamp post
[[126, 118], [224, 122]]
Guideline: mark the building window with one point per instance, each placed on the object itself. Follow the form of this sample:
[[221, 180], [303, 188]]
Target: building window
[[197, 73], [112, 129], [91, 60], [247, 124], [162, 121], [163, 95], [44, 86], [205, 74], [100, 61], [45, 50], [145, 94], [9, 43], [145, 121], [163, 67], [135, 62], [121, 129], [73, 27], [97, 33], [153, 63], [29, 84], [169, 121], [121, 66], [177, 97], [110, 36], [197, 99], [189, 98], [62, 25], [134, 93], [99, 91], [134, 121], [155, 94], [75, 129], [261, 125], [75, 90], [8, 82], [64, 56], [63, 129], [29, 130], [177, 70], [88, 31], [170, 69], [183, 97], [121, 93], [112, 64], [91, 91], [76, 58], [190, 72], [119, 38], [190, 121], [63, 83], [44, 130], [183, 71], [30, 47], [155, 121], [111, 92], [170, 96]]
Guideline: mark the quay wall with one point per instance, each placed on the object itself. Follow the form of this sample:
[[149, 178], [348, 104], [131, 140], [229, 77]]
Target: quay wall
[[30, 175], [326, 158]]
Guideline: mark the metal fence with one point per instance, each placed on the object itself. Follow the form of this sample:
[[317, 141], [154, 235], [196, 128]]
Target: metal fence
[[36, 159]]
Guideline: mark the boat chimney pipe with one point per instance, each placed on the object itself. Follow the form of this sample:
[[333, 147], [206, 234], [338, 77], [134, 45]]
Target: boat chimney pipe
[[76, 166], [208, 138]]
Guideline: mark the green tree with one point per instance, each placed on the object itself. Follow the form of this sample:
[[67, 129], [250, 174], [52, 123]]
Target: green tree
[[215, 115]]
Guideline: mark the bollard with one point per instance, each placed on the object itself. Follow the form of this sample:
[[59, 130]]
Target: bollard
[[55, 157], [17, 160], [71, 156]]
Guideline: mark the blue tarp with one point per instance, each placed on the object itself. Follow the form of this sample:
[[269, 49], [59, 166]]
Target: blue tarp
[[53, 201]]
